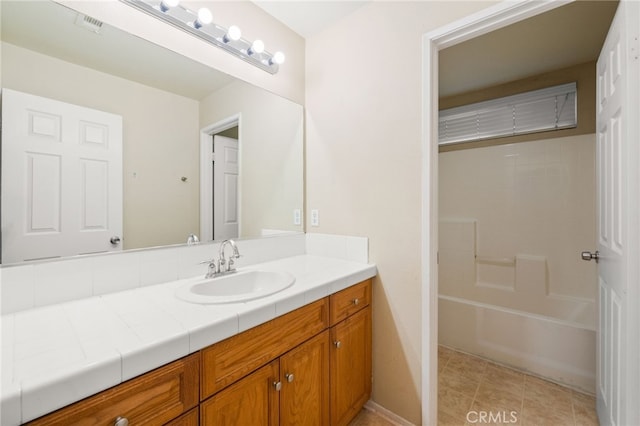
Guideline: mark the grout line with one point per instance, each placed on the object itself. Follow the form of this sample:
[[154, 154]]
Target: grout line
[[485, 374], [573, 409]]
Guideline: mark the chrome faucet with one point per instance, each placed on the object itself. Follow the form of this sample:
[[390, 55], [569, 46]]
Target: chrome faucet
[[222, 266], [229, 263]]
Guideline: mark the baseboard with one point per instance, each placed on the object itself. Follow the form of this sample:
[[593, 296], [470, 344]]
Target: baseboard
[[388, 415]]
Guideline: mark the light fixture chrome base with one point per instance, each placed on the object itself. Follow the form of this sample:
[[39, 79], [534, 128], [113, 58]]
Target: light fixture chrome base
[[184, 20]]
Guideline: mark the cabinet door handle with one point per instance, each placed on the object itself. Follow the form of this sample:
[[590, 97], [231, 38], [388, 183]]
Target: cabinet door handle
[[356, 301], [289, 377], [121, 421], [337, 344], [277, 386]]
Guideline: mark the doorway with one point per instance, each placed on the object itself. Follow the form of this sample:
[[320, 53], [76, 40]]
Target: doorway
[[226, 175], [220, 178], [482, 23]]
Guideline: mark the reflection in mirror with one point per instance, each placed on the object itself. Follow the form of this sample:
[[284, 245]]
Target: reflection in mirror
[[171, 109]]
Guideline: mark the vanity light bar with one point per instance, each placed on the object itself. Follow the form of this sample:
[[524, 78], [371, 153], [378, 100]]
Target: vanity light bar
[[200, 25]]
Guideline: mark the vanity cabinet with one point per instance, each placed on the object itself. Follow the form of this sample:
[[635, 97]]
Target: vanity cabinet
[[291, 390], [311, 366], [155, 398], [304, 374], [231, 359], [191, 418], [253, 400], [324, 380], [350, 357]]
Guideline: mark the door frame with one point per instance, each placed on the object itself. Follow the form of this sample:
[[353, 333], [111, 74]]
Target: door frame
[[475, 25], [206, 173]]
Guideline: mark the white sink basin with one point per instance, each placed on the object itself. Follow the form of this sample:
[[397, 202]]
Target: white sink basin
[[236, 287]]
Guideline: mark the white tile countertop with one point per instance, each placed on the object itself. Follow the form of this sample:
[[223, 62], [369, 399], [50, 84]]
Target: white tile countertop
[[58, 354]]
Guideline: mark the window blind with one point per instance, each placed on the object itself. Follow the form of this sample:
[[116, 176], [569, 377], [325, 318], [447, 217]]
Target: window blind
[[529, 112]]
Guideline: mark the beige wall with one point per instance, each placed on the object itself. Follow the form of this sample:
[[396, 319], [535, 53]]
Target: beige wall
[[513, 220], [363, 168], [271, 154], [254, 22], [161, 140]]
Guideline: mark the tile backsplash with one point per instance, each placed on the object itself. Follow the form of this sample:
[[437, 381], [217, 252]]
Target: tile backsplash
[[46, 283], [345, 247]]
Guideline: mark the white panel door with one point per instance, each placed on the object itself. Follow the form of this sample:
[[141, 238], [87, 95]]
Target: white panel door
[[61, 178], [225, 188], [618, 235]]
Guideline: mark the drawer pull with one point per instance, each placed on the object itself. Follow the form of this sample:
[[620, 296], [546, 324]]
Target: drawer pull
[[289, 377], [356, 301], [277, 386], [121, 421], [337, 344]]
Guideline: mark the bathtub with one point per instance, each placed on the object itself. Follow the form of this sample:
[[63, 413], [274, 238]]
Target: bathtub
[[557, 350]]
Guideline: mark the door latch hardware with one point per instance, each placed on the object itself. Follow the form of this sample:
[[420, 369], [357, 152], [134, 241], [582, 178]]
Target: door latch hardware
[[587, 255]]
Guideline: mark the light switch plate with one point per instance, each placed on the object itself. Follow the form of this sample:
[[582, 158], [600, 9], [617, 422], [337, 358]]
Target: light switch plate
[[315, 219], [297, 217]]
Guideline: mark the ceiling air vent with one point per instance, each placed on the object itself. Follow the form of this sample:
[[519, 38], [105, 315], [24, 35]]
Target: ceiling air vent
[[89, 23]]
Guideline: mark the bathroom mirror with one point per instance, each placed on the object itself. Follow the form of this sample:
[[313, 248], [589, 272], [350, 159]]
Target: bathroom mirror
[[165, 101]]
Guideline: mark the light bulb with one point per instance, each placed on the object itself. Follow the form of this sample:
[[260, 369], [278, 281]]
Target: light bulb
[[204, 17], [165, 5], [256, 47], [278, 58], [233, 33]]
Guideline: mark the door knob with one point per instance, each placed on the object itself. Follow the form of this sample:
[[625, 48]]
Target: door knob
[[115, 240], [289, 377], [587, 255]]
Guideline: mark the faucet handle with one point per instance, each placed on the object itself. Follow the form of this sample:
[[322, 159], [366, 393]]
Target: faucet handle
[[214, 268]]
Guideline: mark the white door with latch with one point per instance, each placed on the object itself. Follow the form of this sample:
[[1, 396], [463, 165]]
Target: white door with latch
[[61, 179], [225, 188], [618, 183]]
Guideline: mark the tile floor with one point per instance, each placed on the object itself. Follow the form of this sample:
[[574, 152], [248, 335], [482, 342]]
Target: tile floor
[[468, 385], [472, 385], [370, 418]]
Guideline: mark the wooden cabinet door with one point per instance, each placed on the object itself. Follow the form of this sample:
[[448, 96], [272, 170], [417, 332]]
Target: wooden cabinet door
[[191, 418], [304, 372], [233, 358], [350, 366], [251, 401]]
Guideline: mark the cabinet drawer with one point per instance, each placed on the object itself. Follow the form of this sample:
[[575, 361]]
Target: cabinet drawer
[[154, 398], [349, 301], [233, 358]]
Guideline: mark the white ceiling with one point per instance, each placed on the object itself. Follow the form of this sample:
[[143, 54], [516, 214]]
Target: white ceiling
[[309, 17]]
